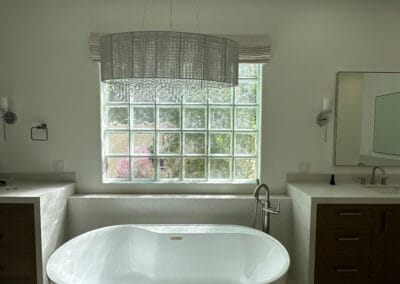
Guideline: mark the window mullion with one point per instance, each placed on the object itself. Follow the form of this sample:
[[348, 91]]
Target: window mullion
[[207, 138], [129, 136], [182, 123], [233, 171], [156, 158]]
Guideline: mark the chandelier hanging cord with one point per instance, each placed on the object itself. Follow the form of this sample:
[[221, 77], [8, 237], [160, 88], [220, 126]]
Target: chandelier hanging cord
[[196, 6], [171, 4], [171, 7], [144, 13]]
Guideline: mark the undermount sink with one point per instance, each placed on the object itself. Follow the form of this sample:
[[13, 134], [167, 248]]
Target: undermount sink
[[386, 189]]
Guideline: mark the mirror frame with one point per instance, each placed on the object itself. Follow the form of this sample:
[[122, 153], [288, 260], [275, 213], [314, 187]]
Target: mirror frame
[[336, 117]]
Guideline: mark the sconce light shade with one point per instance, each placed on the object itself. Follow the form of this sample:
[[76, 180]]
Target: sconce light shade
[[3, 104], [326, 104]]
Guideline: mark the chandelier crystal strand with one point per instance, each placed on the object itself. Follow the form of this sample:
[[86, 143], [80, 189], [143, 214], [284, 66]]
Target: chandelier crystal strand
[[166, 58]]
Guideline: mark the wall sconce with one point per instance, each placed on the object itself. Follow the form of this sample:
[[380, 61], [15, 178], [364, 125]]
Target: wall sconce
[[323, 117], [7, 116]]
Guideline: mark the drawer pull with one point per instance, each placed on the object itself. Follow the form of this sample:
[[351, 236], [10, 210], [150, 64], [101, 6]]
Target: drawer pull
[[346, 270], [349, 213], [345, 239]]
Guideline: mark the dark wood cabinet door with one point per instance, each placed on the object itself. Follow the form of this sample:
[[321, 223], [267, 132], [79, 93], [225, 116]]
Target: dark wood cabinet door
[[389, 256], [17, 244]]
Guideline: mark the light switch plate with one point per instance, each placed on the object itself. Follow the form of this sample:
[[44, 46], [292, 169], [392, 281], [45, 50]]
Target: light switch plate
[[304, 167]]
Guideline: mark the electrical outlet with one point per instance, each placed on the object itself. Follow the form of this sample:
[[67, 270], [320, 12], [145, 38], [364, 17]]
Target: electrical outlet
[[304, 166], [58, 165]]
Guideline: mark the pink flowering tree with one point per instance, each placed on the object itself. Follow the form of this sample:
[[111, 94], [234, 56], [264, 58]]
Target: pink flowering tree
[[143, 167], [123, 168]]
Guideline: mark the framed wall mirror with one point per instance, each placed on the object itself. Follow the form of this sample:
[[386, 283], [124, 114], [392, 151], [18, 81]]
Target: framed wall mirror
[[367, 119]]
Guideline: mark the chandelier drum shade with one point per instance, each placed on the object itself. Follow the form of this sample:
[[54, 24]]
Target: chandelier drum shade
[[190, 59]]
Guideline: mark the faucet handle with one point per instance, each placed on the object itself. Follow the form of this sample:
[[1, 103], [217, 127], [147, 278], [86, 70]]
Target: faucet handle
[[272, 210], [363, 180], [278, 209], [384, 180]]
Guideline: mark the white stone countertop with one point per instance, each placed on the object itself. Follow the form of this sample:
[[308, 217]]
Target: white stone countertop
[[30, 189], [346, 192]]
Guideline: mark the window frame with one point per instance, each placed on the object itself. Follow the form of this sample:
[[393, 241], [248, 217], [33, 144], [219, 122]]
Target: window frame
[[258, 132]]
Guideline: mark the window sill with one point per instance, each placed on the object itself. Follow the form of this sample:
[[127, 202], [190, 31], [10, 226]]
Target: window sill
[[179, 188]]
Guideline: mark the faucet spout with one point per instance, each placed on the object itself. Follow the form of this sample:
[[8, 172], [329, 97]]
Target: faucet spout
[[257, 190], [373, 174], [267, 209]]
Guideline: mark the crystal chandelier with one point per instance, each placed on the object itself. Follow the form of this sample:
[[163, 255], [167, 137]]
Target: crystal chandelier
[[169, 59]]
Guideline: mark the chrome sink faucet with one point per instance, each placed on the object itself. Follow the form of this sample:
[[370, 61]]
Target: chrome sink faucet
[[373, 175], [267, 209]]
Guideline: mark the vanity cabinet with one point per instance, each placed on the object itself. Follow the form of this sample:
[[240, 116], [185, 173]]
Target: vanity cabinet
[[17, 244], [33, 223], [357, 244], [389, 251]]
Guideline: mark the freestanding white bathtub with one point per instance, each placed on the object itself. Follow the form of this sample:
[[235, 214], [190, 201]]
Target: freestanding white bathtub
[[170, 254]]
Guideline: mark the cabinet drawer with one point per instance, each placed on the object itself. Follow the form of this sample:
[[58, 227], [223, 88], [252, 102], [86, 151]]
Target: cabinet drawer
[[17, 267], [343, 266], [16, 211], [346, 239], [18, 234], [346, 215]]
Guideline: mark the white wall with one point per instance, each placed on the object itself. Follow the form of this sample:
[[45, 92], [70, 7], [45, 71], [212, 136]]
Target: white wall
[[46, 72]]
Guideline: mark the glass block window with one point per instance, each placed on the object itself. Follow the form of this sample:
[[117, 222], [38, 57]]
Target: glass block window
[[192, 136]]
